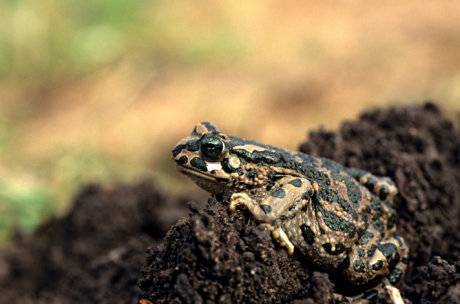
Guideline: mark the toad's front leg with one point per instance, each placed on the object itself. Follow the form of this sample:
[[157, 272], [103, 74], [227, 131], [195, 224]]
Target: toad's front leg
[[284, 199]]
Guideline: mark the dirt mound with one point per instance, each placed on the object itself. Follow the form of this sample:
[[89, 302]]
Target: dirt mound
[[217, 256], [93, 255]]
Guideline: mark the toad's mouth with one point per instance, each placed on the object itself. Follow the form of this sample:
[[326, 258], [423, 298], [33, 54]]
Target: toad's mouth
[[200, 174]]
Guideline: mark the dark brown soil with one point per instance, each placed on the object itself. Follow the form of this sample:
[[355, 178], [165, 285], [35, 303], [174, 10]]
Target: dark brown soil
[[94, 254]]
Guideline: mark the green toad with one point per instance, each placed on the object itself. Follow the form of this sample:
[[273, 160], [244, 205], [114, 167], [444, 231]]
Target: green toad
[[338, 218]]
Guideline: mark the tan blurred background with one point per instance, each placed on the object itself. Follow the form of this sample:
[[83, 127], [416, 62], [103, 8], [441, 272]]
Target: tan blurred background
[[102, 90]]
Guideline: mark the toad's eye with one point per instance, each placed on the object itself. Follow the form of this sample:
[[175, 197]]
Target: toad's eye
[[211, 147]]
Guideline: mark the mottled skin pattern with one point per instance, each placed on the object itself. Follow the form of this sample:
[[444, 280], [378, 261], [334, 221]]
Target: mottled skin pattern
[[338, 218]]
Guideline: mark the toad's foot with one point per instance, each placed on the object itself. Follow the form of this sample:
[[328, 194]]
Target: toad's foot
[[280, 236], [243, 200]]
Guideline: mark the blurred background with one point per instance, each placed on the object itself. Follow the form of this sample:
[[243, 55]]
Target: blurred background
[[100, 91]]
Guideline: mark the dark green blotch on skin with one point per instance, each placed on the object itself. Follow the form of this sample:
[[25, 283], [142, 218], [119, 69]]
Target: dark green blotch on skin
[[395, 276], [328, 247], [378, 225], [365, 239], [274, 176], [371, 250], [265, 157], [292, 164], [358, 266], [336, 171], [296, 182], [307, 234], [245, 155], [339, 248], [370, 183], [353, 191], [376, 204], [390, 252], [280, 193], [251, 174], [393, 219], [259, 157], [360, 233], [266, 208], [331, 219], [361, 253], [370, 295], [198, 163], [365, 215], [177, 150], [192, 146], [338, 224], [384, 192], [226, 166], [377, 265], [308, 161], [329, 195], [269, 186], [182, 160], [314, 175]]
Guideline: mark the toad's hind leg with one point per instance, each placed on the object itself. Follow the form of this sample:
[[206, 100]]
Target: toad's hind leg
[[384, 262], [374, 259], [402, 251], [381, 186]]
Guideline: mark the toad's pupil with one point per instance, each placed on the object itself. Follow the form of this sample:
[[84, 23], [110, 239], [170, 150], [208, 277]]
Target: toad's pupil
[[211, 147]]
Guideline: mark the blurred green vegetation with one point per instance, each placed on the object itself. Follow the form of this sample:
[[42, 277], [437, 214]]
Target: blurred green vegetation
[[38, 188], [22, 209], [53, 39]]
